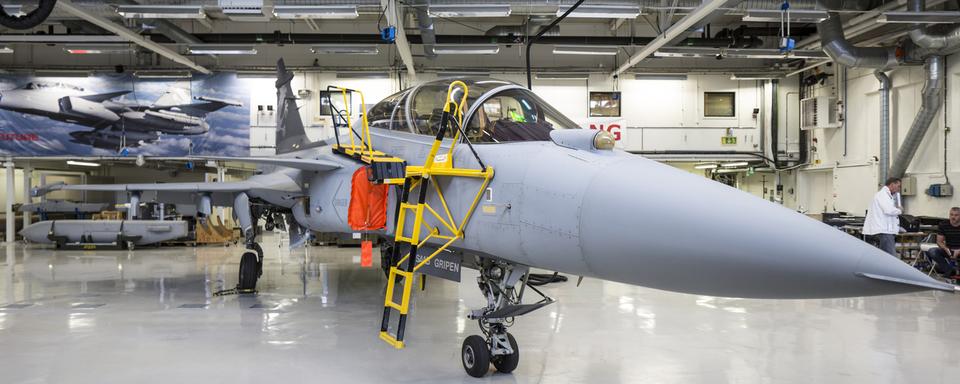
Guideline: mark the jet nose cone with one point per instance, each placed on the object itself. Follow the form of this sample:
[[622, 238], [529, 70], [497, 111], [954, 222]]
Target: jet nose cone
[[669, 229]]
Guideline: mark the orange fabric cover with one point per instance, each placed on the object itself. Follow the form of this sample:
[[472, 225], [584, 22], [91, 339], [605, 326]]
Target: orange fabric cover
[[366, 253], [368, 203]]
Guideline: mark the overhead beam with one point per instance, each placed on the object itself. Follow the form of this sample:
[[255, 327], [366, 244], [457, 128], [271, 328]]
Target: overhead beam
[[680, 27], [392, 11], [131, 36]]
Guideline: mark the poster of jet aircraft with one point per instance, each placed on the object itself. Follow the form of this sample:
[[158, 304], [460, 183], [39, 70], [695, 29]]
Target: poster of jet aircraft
[[122, 114]]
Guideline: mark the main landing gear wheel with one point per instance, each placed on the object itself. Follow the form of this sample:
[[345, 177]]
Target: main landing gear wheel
[[475, 355], [507, 363], [249, 271]]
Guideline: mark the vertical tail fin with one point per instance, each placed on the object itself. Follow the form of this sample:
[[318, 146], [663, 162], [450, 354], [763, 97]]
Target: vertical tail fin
[[291, 135]]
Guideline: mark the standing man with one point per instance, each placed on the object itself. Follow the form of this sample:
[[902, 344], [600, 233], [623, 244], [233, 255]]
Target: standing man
[[883, 218], [948, 245]]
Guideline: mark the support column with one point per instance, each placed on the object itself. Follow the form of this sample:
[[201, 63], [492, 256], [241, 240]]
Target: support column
[[27, 199], [8, 204]]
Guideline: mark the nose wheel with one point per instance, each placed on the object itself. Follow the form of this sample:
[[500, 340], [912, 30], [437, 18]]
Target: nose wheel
[[477, 355], [251, 268]]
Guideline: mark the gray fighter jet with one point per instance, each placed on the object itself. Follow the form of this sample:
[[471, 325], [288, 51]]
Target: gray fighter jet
[[115, 123], [484, 174]]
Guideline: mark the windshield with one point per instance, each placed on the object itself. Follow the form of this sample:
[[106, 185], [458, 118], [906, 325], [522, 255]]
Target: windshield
[[515, 115]]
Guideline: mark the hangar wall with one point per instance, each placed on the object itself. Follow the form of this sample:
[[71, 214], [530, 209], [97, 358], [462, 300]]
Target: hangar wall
[[655, 114], [846, 182]]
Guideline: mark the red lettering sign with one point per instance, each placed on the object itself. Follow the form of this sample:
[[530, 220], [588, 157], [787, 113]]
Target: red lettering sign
[[612, 128]]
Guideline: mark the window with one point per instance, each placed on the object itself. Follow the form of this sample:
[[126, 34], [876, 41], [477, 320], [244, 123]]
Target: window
[[338, 112], [604, 104], [719, 104]]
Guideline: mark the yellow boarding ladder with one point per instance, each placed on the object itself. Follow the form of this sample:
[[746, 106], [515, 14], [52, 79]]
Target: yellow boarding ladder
[[386, 168], [449, 231]]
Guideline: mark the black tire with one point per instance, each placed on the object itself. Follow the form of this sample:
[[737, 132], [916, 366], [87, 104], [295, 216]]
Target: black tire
[[507, 363], [249, 271], [475, 356]]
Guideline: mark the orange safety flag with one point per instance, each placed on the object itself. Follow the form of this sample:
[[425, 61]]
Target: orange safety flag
[[366, 253], [368, 203]]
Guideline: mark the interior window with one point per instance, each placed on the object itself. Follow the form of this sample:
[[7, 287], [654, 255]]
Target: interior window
[[515, 115]]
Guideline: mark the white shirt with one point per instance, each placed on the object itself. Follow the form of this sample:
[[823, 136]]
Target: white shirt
[[883, 216]]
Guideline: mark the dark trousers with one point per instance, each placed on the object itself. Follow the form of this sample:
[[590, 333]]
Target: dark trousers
[[941, 259], [887, 242]]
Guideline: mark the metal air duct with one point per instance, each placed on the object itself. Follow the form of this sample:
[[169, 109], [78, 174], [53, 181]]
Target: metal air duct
[[843, 52], [931, 100], [884, 124], [941, 43]]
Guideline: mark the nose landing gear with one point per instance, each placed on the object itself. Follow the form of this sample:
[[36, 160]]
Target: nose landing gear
[[497, 282]]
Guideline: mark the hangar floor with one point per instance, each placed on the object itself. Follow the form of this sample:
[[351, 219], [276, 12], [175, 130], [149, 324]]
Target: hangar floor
[[149, 316]]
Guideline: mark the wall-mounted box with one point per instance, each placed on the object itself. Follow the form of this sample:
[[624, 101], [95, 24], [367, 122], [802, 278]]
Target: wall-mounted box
[[819, 112]]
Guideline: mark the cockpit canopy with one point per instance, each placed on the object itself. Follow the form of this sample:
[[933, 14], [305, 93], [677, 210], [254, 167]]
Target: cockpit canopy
[[497, 111]]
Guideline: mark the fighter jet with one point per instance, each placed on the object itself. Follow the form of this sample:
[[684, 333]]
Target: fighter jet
[[115, 123], [484, 174]]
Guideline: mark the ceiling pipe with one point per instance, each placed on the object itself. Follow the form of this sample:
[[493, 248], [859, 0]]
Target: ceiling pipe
[[931, 101], [428, 35], [942, 43], [836, 46], [884, 124], [540, 34]]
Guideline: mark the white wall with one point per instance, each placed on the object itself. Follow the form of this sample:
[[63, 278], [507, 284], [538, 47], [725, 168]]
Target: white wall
[[854, 175]]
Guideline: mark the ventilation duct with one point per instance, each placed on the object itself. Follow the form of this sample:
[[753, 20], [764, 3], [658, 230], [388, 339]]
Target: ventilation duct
[[884, 124], [843, 52], [931, 100], [427, 34], [940, 43]]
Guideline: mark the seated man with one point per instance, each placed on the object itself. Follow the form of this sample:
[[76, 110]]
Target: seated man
[[948, 245]]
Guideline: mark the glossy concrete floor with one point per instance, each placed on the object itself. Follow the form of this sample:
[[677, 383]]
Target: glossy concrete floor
[[150, 316]]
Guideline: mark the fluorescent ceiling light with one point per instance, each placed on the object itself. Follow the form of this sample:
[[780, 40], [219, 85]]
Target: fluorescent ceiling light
[[463, 74], [928, 17], [602, 11], [795, 15], [223, 50], [470, 10], [361, 49], [315, 11], [561, 76], [61, 73], [252, 13], [161, 11], [466, 49], [5, 49], [363, 75], [705, 166], [82, 163], [585, 50], [656, 76], [756, 76], [162, 74], [97, 49], [736, 164]]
